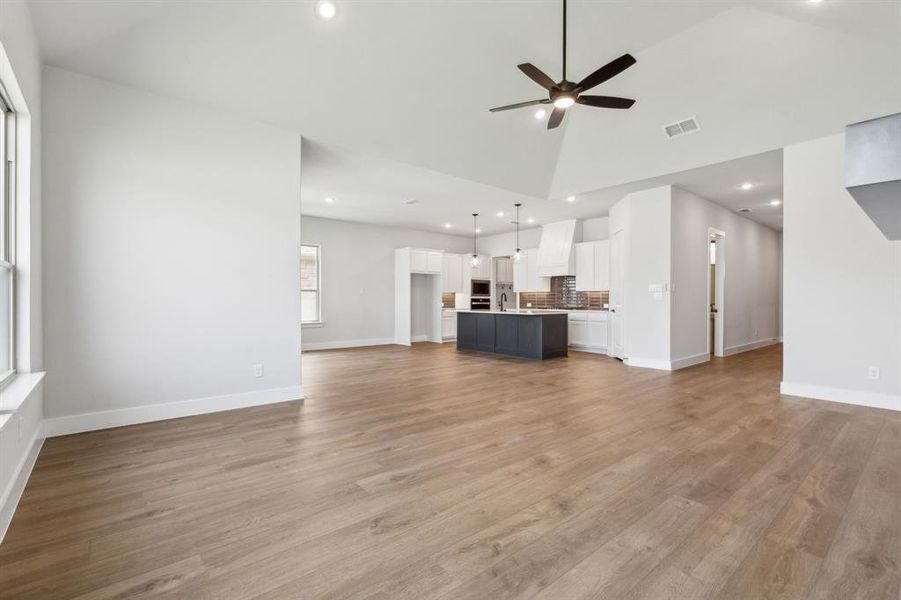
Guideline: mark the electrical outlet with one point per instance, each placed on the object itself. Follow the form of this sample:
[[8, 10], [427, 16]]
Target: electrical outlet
[[873, 373], [258, 370]]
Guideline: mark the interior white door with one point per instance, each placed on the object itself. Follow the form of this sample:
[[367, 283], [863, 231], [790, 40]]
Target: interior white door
[[617, 296]]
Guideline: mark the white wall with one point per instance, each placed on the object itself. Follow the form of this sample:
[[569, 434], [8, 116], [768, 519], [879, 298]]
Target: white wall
[[172, 243], [358, 277], [504, 244], [842, 290], [752, 257], [21, 402], [647, 261], [20, 47], [596, 229]]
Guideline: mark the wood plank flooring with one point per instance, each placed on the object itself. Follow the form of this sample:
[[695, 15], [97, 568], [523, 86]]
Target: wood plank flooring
[[427, 473]]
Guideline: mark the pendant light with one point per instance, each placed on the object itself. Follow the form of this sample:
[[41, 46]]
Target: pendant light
[[517, 256], [475, 256]]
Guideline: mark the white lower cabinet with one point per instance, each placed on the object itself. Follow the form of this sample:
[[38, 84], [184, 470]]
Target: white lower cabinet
[[449, 326], [588, 330], [578, 333]]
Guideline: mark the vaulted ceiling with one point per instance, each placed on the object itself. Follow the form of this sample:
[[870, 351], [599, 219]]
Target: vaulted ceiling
[[411, 82]]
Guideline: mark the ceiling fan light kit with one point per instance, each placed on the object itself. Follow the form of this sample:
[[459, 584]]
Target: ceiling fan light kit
[[564, 94]]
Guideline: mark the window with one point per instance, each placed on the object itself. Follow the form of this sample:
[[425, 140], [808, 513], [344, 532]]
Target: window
[[310, 280], [7, 241]]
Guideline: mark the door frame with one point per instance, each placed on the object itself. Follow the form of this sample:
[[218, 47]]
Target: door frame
[[719, 237], [619, 315]]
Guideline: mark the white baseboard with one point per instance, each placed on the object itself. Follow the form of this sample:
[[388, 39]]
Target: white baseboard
[[590, 349], [310, 346], [689, 361], [668, 365], [419, 338], [11, 496], [845, 396], [169, 410], [749, 346], [649, 363]]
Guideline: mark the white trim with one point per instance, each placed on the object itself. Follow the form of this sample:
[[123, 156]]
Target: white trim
[[845, 396], [749, 346], [668, 365], [18, 389], [689, 361], [649, 363], [590, 349], [12, 494], [170, 410], [311, 346], [419, 338]]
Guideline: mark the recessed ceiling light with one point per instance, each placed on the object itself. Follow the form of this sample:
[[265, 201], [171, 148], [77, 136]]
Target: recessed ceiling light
[[531, 220], [540, 113], [746, 185], [775, 202], [329, 200], [570, 198], [814, 1], [326, 9], [500, 213], [478, 230], [447, 225], [411, 201]]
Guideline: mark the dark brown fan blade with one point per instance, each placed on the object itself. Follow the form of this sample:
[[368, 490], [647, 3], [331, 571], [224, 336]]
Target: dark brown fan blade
[[520, 105], [611, 69], [537, 75], [606, 101], [556, 117]]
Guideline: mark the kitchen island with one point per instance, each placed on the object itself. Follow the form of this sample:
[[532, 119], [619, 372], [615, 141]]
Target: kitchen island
[[527, 334]]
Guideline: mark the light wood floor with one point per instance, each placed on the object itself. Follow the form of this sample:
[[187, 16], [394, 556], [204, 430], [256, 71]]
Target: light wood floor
[[425, 473]]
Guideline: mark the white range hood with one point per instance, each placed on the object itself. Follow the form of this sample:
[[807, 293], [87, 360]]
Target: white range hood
[[555, 252]]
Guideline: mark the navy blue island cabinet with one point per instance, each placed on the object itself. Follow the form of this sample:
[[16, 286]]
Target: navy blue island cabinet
[[534, 335]]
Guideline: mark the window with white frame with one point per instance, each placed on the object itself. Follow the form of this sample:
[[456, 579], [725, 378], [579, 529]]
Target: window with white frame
[[310, 283], [7, 241]]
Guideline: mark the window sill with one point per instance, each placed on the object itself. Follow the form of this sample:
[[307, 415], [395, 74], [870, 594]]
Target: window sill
[[312, 324], [17, 390]]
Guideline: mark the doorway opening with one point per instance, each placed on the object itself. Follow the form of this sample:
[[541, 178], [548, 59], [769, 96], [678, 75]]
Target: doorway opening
[[716, 291]]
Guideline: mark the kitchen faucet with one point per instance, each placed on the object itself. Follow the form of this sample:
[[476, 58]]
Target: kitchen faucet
[[501, 300]]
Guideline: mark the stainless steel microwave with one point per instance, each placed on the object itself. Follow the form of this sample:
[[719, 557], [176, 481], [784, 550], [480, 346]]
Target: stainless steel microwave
[[480, 287]]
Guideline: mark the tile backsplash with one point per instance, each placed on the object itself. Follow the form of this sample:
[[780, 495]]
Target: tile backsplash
[[563, 295], [447, 300]]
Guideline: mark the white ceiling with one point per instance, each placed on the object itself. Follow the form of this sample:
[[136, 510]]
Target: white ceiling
[[373, 190], [409, 83]]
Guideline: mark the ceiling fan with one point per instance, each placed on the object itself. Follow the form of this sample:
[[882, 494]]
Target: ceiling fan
[[564, 94]]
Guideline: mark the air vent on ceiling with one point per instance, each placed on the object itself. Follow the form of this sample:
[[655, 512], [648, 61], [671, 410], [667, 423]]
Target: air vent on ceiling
[[744, 210], [689, 125]]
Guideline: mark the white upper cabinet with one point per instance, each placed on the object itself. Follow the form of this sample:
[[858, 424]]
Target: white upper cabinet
[[525, 274], [504, 271], [520, 274], [585, 268], [425, 261], [483, 270], [593, 265], [602, 265], [452, 273]]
